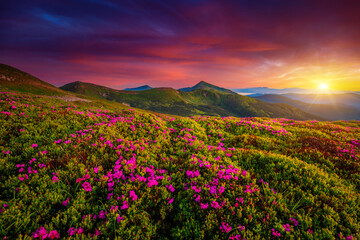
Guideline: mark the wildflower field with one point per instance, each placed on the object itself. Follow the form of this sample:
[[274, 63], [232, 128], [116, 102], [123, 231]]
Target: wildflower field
[[80, 171]]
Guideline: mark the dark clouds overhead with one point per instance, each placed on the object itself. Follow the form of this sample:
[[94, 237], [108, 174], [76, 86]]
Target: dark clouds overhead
[[178, 43]]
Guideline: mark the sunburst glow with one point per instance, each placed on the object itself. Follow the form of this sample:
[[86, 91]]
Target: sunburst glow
[[323, 86]]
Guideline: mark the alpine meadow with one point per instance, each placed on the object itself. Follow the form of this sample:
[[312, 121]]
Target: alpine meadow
[[194, 119]]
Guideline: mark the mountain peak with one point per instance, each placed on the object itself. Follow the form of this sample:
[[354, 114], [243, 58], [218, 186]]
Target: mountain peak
[[207, 86]]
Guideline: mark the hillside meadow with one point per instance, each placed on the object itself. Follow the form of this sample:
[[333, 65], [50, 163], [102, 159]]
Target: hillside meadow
[[81, 170]]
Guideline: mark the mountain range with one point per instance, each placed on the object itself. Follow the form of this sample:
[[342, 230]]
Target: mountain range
[[258, 91], [144, 87], [201, 99], [336, 110]]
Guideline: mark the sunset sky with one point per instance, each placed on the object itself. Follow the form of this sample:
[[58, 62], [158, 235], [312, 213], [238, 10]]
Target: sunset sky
[[233, 44]]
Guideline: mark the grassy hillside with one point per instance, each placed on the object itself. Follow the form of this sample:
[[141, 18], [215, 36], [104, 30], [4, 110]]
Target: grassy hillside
[[80, 171], [196, 102], [17, 80], [329, 111]]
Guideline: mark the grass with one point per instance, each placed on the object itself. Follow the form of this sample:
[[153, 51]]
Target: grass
[[70, 171]]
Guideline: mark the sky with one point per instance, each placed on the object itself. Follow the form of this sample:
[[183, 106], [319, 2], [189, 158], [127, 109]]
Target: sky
[[230, 43]]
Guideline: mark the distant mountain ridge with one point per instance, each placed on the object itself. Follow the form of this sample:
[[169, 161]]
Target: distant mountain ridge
[[332, 111], [205, 85], [141, 88], [266, 90], [258, 91], [346, 99]]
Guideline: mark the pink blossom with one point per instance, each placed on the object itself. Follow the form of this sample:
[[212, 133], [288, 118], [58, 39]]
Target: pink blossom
[[66, 202], [225, 227], [133, 196], [171, 188], [125, 205], [119, 218], [53, 234], [80, 230], [236, 237], [295, 222], [215, 204], [71, 231], [204, 205], [275, 233], [102, 214], [212, 190], [34, 145], [114, 208], [54, 179], [171, 201], [198, 190], [87, 187], [287, 227], [152, 183]]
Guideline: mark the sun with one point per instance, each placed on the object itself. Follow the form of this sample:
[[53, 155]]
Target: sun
[[323, 86]]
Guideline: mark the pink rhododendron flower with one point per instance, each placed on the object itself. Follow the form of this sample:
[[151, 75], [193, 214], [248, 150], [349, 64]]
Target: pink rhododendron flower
[[114, 208], [236, 237], [215, 204], [53, 234], [295, 222], [87, 187], [225, 227], [102, 214], [171, 188], [204, 205], [133, 196], [80, 230], [287, 227], [275, 233], [55, 178], [119, 218], [125, 205], [212, 190], [221, 189], [71, 231], [66, 202]]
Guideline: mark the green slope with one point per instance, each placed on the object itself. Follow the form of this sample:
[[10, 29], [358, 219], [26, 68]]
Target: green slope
[[195, 102], [14, 79], [84, 171]]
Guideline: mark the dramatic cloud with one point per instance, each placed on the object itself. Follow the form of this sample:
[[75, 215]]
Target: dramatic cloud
[[178, 43]]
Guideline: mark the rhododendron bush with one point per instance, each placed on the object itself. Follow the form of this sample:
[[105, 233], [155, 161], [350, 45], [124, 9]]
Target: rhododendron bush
[[76, 171]]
